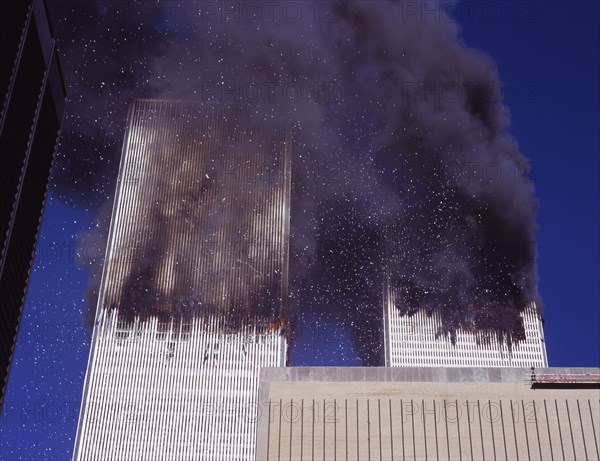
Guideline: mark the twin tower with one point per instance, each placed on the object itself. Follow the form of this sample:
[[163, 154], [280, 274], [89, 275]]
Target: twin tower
[[192, 299]]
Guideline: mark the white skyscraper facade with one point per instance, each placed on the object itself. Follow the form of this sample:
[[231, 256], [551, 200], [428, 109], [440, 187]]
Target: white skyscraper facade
[[410, 341], [413, 339], [191, 303]]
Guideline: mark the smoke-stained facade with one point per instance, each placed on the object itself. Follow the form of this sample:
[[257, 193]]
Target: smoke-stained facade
[[192, 298], [490, 333], [415, 341], [201, 218]]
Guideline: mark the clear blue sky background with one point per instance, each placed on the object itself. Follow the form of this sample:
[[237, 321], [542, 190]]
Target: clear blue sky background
[[548, 58]]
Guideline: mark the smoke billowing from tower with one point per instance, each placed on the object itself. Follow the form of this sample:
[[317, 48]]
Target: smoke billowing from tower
[[193, 233], [398, 125]]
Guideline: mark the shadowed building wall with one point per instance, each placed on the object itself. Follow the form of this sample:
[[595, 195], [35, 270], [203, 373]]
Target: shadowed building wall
[[32, 104], [191, 303], [428, 413]]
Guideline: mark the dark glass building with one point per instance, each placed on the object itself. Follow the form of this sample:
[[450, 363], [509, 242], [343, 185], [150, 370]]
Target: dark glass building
[[32, 98]]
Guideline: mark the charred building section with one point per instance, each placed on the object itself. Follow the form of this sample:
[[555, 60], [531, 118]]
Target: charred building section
[[445, 314], [200, 221]]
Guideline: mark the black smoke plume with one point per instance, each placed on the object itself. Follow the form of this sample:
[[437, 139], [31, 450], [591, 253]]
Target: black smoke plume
[[403, 159]]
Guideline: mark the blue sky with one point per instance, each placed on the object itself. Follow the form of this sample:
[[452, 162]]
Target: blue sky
[[547, 55]]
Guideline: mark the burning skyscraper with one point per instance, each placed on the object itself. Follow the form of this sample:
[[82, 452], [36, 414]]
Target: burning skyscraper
[[402, 123], [478, 330], [415, 341], [197, 252], [192, 298]]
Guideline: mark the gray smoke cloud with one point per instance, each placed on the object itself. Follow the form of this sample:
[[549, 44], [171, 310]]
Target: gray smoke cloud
[[403, 159]]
